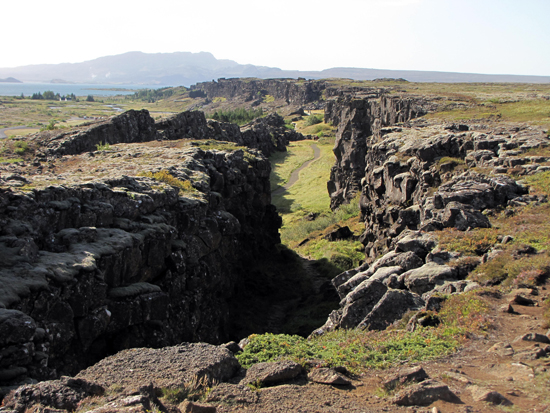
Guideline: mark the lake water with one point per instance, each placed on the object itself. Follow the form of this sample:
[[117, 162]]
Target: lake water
[[15, 89]]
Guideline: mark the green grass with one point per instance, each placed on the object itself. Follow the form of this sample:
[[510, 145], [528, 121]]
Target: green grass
[[103, 147], [284, 163], [309, 195], [310, 192], [184, 187], [10, 160], [359, 350]]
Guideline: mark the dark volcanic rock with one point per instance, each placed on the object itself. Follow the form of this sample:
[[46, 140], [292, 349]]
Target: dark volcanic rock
[[424, 393], [414, 374], [63, 394], [99, 265]]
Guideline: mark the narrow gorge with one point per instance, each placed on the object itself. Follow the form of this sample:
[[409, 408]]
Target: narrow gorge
[[129, 243]]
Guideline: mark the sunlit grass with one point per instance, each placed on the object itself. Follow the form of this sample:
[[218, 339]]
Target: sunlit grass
[[284, 163]]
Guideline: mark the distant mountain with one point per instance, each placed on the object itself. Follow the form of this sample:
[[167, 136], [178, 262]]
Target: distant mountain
[[185, 68], [10, 80]]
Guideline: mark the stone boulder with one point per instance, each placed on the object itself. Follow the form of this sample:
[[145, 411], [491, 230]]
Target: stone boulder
[[169, 367], [390, 308], [272, 373], [64, 394], [427, 277], [424, 393], [325, 375]]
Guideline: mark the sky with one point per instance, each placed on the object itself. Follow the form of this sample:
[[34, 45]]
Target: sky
[[469, 36]]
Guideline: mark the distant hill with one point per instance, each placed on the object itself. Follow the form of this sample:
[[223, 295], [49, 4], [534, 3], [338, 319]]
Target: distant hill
[[185, 69], [10, 80]]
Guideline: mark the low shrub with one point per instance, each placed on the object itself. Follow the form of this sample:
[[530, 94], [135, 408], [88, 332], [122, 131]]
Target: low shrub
[[313, 120], [354, 349], [167, 178]]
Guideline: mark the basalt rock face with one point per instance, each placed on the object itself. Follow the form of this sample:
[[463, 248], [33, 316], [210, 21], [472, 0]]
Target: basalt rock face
[[96, 265], [419, 177], [266, 134], [292, 91], [129, 127], [359, 122]]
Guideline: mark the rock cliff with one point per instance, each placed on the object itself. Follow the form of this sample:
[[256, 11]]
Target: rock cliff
[[267, 134], [292, 91], [414, 178], [359, 122], [147, 243]]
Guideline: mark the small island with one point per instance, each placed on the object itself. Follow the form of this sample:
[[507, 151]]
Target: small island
[[10, 80]]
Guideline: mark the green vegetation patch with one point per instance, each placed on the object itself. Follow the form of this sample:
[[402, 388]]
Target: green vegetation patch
[[167, 178], [475, 242], [314, 119], [510, 271], [284, 163], [359, 350], [239, 116], [356, 350]]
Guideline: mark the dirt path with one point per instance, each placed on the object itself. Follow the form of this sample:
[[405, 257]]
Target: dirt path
[[3, 135], [295, 175]]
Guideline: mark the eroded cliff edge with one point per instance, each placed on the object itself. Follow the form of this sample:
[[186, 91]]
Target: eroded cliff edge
[[415, 177], [151, 241]]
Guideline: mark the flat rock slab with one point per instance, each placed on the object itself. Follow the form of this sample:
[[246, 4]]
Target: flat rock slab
[[232, 394], [194, 407], [424, 393], [272, 373], [325, 375], [166, 367], [456, 376], [503, 349], [520, 299], [482, 394], [415, 374], [536, 337], [64, 394]]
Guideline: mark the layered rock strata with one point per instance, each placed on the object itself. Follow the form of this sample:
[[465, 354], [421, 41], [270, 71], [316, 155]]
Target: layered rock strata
[[143, 244]]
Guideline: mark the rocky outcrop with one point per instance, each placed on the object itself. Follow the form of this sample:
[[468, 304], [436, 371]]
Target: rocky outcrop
[[156, 251], [292, 91], [416, 178], [267, 134], [359, 122]]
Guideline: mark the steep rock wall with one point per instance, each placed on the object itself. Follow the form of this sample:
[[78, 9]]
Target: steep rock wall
[[290, 90], [89, 268], [267, 134], [359, 122], [420, 178]]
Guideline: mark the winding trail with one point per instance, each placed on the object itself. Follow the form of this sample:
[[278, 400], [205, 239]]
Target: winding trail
[[3, 135], [295, 175]]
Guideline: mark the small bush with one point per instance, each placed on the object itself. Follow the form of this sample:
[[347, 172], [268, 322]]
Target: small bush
[[462, 313], [49, 126], [167, 178], [313, 120], [195, 389], [20, 147], [103, 147]]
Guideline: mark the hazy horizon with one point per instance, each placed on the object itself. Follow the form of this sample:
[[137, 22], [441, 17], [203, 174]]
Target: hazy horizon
[[462, 36]]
